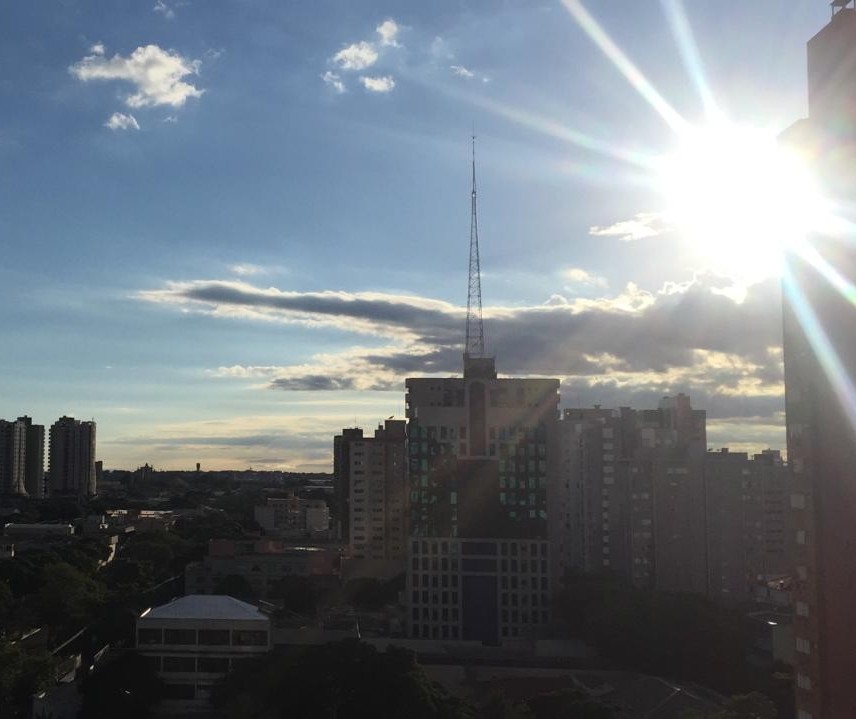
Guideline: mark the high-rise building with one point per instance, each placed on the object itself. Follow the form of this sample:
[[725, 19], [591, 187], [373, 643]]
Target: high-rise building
[[377, 497], [22, 450], [621, 470], [482, 464], [820, 373], [342, 480], [71, 458]]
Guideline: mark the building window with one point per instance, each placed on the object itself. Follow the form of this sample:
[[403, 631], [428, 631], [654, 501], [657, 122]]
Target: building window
[[179, 664], [803, 645], [149, 636], [801, 609], [213, 665], [179, 636], [801, 536], [179, 691], [214, 637], [249, 638], [804, 682]]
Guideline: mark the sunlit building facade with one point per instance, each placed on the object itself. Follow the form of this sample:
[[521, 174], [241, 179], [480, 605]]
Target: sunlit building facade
[[820, 371]]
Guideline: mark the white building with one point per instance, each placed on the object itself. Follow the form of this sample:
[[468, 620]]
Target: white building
[[194, 641]]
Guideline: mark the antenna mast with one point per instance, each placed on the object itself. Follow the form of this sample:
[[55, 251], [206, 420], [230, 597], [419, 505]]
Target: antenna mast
[[475, 326]]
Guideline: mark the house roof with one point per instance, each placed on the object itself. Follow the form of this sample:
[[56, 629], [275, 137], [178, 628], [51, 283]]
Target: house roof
[[205, 606]]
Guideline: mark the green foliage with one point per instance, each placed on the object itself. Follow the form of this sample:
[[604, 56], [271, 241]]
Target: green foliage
[[22, 674], [745, 706], [499, 706], [680, 635], [67, 597], [298, 594], [125, 686], [568, 703], [236, 586], [346, 680], [371, 594]]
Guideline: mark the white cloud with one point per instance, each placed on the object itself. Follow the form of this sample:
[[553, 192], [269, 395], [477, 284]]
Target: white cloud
[[333, 80], [245, 269], [357, 56], [461, 71], [97, 48], [388, 31], [121, 121], [642, 226], [579, 276], [378, 84], [440, 49], [164, 9], [156, 74], [171, 119]]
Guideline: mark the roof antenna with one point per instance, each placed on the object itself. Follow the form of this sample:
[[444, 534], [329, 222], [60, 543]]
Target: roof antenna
[[475, 326]]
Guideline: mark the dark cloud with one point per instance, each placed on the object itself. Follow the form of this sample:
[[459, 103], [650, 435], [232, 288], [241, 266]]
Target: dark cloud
[[628, 350]]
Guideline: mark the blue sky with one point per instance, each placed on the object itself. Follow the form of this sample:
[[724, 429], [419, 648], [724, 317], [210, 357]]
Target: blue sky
[[229, 228]]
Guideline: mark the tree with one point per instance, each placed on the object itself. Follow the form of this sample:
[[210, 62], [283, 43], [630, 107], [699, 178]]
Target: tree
[[744, 706], [298, 594], [125, 686], [568, 704], [67, 596], [22, 674], [234, 585], [346, 680]]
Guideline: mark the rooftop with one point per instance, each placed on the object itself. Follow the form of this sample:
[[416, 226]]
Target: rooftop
[[205, 606]]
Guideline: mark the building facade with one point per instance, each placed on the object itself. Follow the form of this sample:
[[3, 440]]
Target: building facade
[[71, 458], [820, 371], [22, 452], [482, 455], [194, 641]]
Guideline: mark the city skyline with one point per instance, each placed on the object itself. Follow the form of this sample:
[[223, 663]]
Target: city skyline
[[235, 229]]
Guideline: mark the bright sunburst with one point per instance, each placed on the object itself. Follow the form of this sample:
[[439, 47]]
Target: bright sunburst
[[739, 196]]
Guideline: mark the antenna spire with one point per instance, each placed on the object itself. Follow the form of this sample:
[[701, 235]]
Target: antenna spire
[[475, 326]]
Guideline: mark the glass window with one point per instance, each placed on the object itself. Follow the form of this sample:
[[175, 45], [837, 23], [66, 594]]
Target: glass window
[[179, 691], [149, 636], [179, 636], [179, 664], [249, 638], [213, 665], [214, 637]]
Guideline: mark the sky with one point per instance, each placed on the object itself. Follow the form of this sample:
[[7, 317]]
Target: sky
[[230, 228]]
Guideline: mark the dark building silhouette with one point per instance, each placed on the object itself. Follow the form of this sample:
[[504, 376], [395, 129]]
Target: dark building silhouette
[[71, 458], [820, 369], [482, 459], [342, 479], [22, 451]]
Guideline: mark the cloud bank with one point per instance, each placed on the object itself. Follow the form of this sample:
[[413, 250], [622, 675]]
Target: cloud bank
[[629, 348]]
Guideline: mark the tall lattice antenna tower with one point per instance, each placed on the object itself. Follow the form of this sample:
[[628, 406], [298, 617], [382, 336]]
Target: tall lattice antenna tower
[[475, 325]]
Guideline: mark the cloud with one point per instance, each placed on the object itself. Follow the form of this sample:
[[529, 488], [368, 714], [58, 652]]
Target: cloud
[[247, 269], [388, 31], [579, 276], [97, 48], [378, 84], [156, 74], [170, 119], [357, 56], [628, 348], [334, 81], [121, 121], [642, 226], [461, 71], [164, 9]]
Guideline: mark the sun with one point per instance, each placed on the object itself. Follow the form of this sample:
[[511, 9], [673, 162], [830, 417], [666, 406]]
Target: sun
[[739, 197]]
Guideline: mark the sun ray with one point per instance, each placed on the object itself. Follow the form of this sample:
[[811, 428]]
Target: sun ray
[[624, 65], [822, 346], [685, 38]]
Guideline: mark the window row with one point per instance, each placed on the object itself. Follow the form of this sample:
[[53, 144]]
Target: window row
[[202, 637]]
